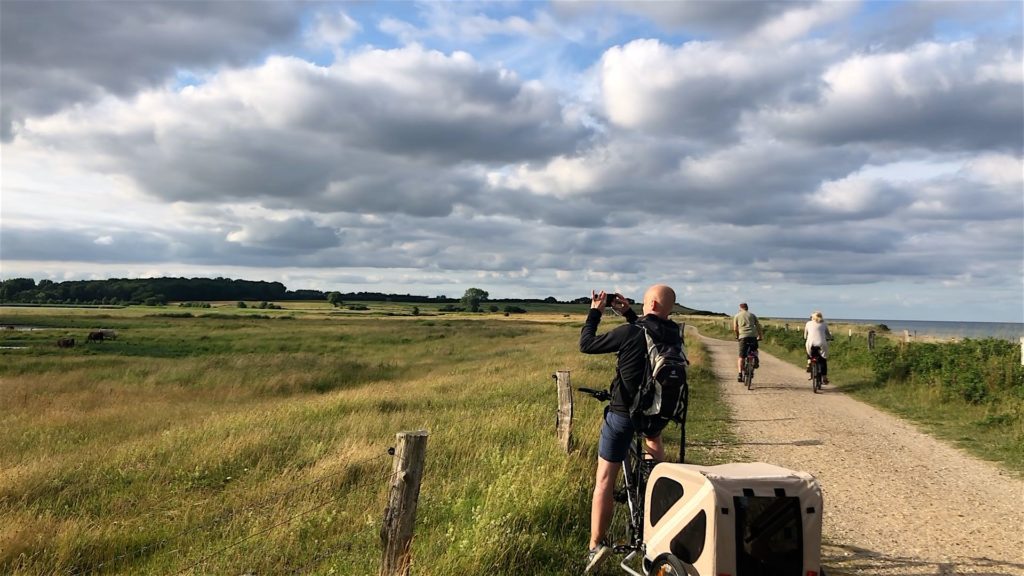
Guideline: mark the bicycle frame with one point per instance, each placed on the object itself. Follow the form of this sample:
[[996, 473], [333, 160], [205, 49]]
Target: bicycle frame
[[815, 374], [632, 475], [748, 369]]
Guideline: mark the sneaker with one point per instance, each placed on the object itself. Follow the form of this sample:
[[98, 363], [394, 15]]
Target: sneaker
[[596, 557], [824, 381], [757, 363], [739, 377]]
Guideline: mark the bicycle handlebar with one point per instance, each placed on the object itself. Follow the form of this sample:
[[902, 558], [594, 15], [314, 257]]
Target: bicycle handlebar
[[602, 395]]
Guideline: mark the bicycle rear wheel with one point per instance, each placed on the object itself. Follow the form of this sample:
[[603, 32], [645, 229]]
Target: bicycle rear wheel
[[627, 521], [748, 374], [815, 377]]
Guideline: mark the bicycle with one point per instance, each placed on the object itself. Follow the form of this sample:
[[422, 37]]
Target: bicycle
[[816, 377], [749, 365], [636, 470]]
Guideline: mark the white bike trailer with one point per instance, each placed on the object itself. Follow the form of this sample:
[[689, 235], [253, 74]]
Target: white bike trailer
[[749, 519]]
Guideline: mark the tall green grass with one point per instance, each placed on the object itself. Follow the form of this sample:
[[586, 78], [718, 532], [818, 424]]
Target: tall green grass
[[230, 445], [970, 392]]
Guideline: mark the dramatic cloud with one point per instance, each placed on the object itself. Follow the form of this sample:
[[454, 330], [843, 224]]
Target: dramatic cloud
[[59, 53], [728, 18], [867, 157], [382, 131], [938, 96]]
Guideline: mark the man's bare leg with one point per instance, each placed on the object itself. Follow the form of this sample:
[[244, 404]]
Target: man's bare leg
[[601, 506], [656, 448]]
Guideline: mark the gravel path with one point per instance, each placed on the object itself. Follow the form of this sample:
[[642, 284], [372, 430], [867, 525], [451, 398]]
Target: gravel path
[[896, 500]]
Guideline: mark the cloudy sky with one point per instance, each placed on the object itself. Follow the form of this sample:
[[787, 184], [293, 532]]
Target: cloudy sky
[[865, 159]]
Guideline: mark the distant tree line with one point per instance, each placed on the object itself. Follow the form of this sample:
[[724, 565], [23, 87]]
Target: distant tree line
[[159, 291], [117, 291]]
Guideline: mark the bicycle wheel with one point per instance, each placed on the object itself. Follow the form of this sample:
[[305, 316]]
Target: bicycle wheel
[[748, 374], [640, 471], [627, 516], [669, 565], [815, 377]]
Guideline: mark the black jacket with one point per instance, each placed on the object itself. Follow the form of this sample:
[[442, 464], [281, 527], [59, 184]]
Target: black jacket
[[628, 341]]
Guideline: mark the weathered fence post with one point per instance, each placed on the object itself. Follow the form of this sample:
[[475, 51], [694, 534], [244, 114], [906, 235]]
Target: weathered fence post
[[563, 422], [871, 339], [849, 338], [400, 515]]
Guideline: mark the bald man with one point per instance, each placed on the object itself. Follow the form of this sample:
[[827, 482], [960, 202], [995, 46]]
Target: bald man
[[617, 431]]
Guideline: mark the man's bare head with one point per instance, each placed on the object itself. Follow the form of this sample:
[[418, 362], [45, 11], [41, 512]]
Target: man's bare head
[[659, 300]]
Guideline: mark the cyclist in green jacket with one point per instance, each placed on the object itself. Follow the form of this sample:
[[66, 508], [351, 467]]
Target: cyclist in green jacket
[[747, 329]]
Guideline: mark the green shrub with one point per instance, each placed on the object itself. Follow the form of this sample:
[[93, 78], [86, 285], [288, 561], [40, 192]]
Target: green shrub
[[973, 371]]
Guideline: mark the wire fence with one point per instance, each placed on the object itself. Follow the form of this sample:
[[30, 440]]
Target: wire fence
[[202, 561], [254, 509]]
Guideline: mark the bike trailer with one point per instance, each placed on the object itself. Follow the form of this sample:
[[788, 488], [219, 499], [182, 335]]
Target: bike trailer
[[744, 519]]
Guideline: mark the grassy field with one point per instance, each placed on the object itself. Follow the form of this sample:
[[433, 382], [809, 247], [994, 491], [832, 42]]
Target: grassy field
[[957, 391], [234, 441]]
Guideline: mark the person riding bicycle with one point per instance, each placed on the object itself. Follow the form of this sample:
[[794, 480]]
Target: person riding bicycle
[[747, 329], [816, 338], [617, 431]]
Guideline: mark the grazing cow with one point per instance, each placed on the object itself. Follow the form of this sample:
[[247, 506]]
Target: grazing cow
[[65, 343], [109, 334], [95, 336]]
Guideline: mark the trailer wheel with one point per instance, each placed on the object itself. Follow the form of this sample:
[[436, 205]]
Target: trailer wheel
[[668, 565]]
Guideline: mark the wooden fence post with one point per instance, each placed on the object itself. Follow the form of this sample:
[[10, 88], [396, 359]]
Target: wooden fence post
[[871, 339], [563, 421], [906, 336], [400, 515]]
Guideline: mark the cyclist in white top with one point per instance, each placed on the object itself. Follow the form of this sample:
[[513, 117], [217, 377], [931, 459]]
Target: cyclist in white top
[[816, 339]]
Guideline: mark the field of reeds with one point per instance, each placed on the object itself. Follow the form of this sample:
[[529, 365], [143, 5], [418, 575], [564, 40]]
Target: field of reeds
[[242, 441], [970, 392]]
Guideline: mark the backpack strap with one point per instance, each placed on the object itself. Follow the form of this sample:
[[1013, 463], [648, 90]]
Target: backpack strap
[[648, 372]]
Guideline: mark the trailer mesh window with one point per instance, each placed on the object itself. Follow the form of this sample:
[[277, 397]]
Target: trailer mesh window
[[665, 494], [769, 536]]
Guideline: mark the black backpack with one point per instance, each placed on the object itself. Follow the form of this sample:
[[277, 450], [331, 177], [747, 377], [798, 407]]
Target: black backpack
[[663, 393]]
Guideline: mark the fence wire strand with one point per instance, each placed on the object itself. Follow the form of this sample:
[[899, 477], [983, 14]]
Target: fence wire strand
[[228, 514], [333, 551], [218, 552]]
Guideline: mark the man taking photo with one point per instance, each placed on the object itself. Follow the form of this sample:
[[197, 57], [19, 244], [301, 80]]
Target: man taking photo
[[629, 342]]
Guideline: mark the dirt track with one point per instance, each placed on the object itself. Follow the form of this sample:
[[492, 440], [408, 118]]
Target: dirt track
[[896, 500]]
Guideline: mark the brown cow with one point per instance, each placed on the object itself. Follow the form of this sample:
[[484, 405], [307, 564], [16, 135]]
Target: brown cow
[[65, 343], [95, 336]]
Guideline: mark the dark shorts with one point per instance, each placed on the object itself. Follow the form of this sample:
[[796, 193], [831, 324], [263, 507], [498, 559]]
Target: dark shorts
[[750, 342], [617, 433]]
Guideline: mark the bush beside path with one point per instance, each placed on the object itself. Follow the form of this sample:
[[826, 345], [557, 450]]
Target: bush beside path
[[897, 501]]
